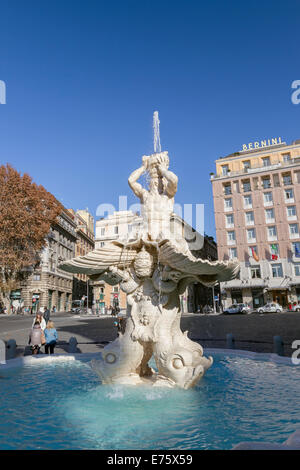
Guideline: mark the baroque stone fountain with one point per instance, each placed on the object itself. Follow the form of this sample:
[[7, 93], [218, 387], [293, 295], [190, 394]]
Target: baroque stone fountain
[[153, 269]]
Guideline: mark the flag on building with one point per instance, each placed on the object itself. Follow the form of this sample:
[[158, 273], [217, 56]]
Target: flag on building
[[274, 252], [254, 254], [297, 251]]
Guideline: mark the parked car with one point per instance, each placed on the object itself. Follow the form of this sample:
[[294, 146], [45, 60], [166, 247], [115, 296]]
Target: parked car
[[237, 308], [270, 307], [207, 309], [296, 308]]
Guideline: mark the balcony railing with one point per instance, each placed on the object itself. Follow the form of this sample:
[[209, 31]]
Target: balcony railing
[[258, 168]]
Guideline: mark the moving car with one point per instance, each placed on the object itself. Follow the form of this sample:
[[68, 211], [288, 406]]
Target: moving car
[[238, 308], [270, 307]]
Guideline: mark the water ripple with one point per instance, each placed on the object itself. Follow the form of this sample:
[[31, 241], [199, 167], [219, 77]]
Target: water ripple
[[63, 406]]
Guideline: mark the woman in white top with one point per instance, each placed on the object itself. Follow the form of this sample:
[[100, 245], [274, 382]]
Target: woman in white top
[[41, 320]]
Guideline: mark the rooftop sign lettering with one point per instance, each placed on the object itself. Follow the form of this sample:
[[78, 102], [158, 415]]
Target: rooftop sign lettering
[[262, 144]]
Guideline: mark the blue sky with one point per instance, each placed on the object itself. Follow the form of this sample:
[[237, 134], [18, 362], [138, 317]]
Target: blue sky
[[83, 79]]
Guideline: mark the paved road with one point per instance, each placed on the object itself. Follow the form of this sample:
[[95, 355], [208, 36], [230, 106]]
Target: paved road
[[86, 329], [254, 332]]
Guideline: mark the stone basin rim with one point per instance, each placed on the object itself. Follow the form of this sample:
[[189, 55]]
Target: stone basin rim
[[66, 357]]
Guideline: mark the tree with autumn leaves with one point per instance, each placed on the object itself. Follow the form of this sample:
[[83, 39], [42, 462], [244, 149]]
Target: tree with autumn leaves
[[27, 211]]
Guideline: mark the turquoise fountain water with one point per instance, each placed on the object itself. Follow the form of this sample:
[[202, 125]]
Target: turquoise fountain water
[[62, 405]]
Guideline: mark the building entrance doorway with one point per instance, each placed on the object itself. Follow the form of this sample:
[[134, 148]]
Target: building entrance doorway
[[257, 298], [237, 297], [35, 303], [280, 296]]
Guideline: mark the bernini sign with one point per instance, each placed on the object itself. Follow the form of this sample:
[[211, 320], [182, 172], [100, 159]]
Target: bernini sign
[[262, 143]]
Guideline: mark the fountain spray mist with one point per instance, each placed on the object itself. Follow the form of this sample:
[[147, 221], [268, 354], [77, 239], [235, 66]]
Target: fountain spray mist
[[156, 121]]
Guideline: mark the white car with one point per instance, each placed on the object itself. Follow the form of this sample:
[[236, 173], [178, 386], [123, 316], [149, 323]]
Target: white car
[[270, 307], [237, 308], [296, 308]]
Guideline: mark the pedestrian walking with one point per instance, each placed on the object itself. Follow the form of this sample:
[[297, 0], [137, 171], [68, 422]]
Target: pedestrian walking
[[50, 337], [39, 318], [36, 338], [46, 315]]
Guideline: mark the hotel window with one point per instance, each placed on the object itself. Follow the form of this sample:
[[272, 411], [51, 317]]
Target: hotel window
[[231, 238], [229, 221], [296, 249], [266, 182], [289, 195], [272, 233], [225, 169], [247, 202], [251, 236], [102, 232], [249, 216], [232, 253], [36, 277], [291, 213], [277, 270], [266, 161], [287, 179], [115, 289], [247, 164], [286, 157], [116, 230], [102, 244], [297, 269], [227, 189], [269, 214], [294, 231], [255, 272], [246, 186], [228, 204], [129, 228], [268, 199]]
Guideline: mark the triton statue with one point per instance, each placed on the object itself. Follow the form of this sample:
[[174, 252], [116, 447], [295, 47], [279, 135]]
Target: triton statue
[[153, 269]]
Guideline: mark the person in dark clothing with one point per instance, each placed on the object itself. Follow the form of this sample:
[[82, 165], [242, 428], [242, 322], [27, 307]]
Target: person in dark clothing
[[46, 315]]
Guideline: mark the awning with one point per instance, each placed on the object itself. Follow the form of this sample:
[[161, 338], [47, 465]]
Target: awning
[[277, 287]]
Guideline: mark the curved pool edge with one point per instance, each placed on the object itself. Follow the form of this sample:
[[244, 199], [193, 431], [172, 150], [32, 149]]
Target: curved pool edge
[[29, 360]]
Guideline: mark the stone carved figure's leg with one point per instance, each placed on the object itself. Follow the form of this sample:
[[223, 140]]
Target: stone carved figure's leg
[[145, 369]]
